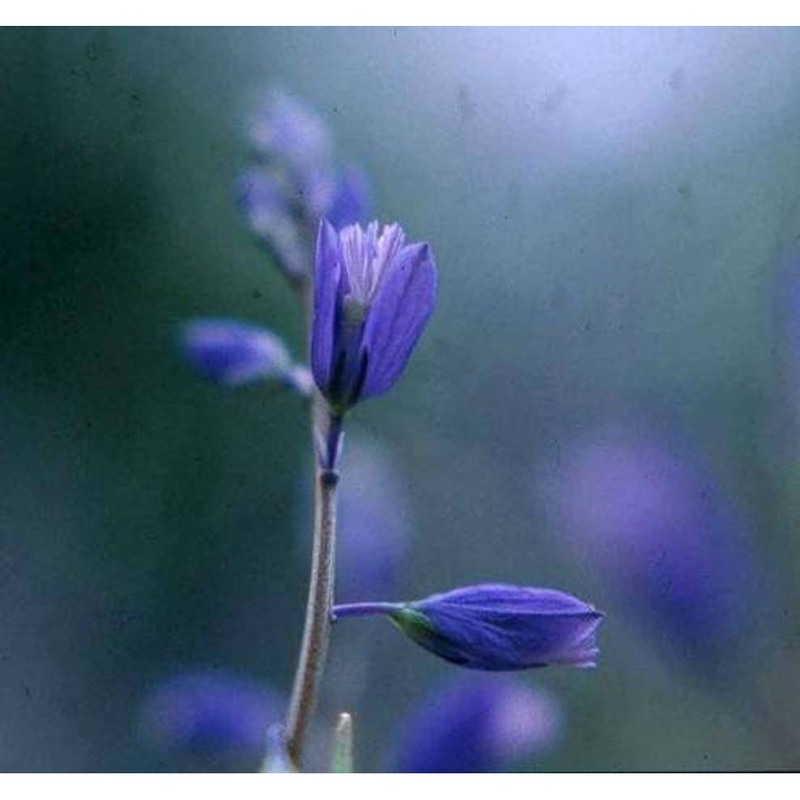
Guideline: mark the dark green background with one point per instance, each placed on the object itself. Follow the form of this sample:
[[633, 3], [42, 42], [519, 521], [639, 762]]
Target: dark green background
[[609, 210]]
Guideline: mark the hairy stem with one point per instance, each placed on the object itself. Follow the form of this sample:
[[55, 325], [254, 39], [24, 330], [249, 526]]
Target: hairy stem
[[316, 632]]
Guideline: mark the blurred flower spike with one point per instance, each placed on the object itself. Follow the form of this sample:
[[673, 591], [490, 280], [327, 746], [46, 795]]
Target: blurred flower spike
[[293, 183], [496, 627], [233, 353], [478, 723], [374, 294], [209, 718]]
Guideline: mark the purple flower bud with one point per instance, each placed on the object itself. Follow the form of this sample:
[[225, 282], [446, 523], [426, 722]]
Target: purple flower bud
[[653, 520], [496, 626], [233, 354], [373, 296], [209, 716], [288, 131], [478, 724]]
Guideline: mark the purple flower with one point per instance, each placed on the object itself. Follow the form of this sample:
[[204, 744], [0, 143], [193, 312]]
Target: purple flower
[[213, 717], [496, 626], [373, 296], [653, 519], [478, 724], [233, 353]]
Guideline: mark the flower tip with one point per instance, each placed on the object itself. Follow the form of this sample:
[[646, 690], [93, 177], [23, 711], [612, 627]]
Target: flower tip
[[326, 227]]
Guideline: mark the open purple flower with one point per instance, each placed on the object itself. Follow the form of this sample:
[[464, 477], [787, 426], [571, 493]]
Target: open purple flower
[[233, 353], [374, 294], [496, 626], [477, 723]]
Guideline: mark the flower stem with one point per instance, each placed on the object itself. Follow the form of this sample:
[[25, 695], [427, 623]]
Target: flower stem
[[327, 433], [316, 632], [363, 609]]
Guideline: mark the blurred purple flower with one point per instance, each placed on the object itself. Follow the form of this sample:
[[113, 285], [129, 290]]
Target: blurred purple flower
[[478, 724], [211, 717], [373, 297], [496, 627], [652, 519], [288, 131], [233, 353]]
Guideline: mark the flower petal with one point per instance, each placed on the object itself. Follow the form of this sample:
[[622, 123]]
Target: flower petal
[[327, 276], [404, 303]]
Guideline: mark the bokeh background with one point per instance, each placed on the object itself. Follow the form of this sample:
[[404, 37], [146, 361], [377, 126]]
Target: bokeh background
[[613, 213]]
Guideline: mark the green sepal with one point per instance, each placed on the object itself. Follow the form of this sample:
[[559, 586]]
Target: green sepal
[[414, 624]]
